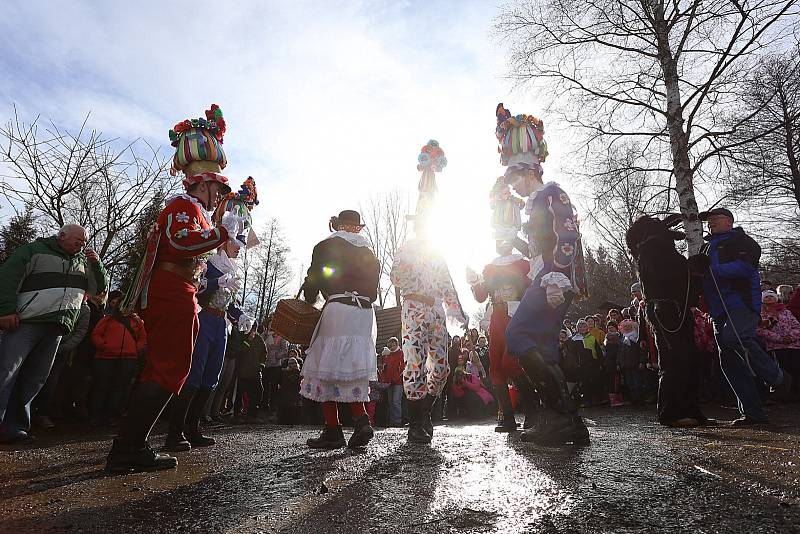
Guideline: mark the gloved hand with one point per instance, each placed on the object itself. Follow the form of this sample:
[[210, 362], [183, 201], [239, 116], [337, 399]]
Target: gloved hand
[[228, 281], [232, 223], [555, 296]]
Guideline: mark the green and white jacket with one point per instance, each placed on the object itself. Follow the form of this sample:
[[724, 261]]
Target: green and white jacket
[[42, 284]]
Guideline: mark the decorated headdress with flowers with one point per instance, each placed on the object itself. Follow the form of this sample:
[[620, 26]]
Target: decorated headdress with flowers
[[521, 140], [431, 160], [198, 148], [241, 203]]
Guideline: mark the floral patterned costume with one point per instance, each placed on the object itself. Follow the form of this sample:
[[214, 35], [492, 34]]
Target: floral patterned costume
[[419, 270]]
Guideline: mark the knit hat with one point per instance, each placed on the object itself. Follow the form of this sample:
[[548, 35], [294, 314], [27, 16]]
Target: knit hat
[[636, 287], [198, 149]]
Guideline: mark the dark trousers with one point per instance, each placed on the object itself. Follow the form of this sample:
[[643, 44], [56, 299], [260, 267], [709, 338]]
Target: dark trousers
[[270, 378], [252, 388], [112, 380]]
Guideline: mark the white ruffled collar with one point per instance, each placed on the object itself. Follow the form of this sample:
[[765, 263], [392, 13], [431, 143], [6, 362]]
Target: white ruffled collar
[[507, 260], [357, 240]]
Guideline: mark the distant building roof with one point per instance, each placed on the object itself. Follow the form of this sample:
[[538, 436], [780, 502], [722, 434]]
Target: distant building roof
[[389, 324]]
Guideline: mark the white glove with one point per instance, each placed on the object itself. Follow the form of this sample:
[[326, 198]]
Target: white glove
[[233, 224], [228, 281], [555, 295]]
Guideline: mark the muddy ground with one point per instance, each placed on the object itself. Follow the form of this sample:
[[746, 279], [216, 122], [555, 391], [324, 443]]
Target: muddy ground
[[635, 477]]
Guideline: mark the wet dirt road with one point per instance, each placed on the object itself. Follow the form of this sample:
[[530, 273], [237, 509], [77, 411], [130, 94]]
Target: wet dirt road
[[635, 477]]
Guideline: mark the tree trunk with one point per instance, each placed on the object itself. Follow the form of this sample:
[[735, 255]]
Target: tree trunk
[[679, 140], [788, 126]]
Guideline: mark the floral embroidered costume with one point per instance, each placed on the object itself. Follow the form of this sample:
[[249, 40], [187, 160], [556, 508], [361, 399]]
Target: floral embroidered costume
[[421, 275], [215, 295], [341, 359], [166, 283], [556, 273]]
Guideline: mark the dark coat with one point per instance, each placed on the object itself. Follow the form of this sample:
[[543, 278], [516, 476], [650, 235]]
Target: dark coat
[[338, 266]]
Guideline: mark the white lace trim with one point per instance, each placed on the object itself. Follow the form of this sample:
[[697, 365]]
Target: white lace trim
[[507, 260], [556, 279], [357, 240], [221, 261]]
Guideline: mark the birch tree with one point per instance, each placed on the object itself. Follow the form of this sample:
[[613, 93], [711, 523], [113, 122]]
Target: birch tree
[[660, 72]]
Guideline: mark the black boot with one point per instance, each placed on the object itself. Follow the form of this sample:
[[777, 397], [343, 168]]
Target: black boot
[[362, 432], [425, 413], [176, 440], [332, 437], [529, 399], [192, 432], [130, 451], [508, 422], [562, 423], [416, 431]]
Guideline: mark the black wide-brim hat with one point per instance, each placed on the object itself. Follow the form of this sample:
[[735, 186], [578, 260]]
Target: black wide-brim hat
[[347, 218]]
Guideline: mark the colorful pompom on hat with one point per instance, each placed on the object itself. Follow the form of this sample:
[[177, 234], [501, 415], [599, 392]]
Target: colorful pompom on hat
[[521, 138], [240, 203], [431, 160], [198, 148]]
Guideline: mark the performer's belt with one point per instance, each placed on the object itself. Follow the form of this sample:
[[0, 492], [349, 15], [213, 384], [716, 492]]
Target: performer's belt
[[430, 301], [215, 311], [351, 298], [187, 272]]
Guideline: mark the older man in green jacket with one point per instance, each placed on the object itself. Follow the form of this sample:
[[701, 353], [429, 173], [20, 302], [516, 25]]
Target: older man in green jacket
[[42, 286]]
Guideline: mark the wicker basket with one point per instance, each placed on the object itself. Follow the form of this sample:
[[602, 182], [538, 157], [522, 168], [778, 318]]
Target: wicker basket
[[295, 320]]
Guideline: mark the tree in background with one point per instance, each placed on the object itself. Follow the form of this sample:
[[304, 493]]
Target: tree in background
[[386, 226], [610, 276], [123, 275], [662, 73], [20, 230], [266, 273], [82, 178]]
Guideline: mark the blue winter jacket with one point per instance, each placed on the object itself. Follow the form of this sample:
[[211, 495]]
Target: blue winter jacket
[[734, 263]]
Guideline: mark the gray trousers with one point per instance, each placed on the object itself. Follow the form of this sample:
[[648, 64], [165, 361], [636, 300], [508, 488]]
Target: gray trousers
[[26, 356]]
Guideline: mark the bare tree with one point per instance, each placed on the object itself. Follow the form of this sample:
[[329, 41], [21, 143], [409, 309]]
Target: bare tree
[[769, 167], [386, 225], [266, 271], [657, 71], [81, 178]]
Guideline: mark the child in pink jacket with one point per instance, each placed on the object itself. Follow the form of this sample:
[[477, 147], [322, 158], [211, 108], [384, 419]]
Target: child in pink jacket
[[781, 331]]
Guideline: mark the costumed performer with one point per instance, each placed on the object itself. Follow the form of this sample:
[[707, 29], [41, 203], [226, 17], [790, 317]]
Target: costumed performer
[[341, 358], [503, 282], [557, 276], [421, 275], [165, 285], [218, 285]]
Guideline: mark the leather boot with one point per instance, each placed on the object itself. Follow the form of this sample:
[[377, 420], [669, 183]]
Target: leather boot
[[130, 451], [192, 432], [562, 423], [362, 432], [425, 413], [176, 440], [331, 437], [416, 432], [508, 423]]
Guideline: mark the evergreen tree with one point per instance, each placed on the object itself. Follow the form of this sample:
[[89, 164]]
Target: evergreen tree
[[20, 230], [138, 241]]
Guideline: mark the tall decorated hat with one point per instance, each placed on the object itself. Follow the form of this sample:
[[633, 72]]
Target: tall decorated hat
[[431, 160], [241, 203], [198, 149], [521, 139]]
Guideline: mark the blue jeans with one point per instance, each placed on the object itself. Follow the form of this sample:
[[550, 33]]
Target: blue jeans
[[536, 325], [395, 401], [209, 352], [735, 367], [26, 356]]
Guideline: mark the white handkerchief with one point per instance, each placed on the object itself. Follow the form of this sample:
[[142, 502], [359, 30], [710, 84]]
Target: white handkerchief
[[512, 307]]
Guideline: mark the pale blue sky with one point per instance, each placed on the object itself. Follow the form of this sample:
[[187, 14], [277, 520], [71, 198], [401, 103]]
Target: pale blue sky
[[326, 102]]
